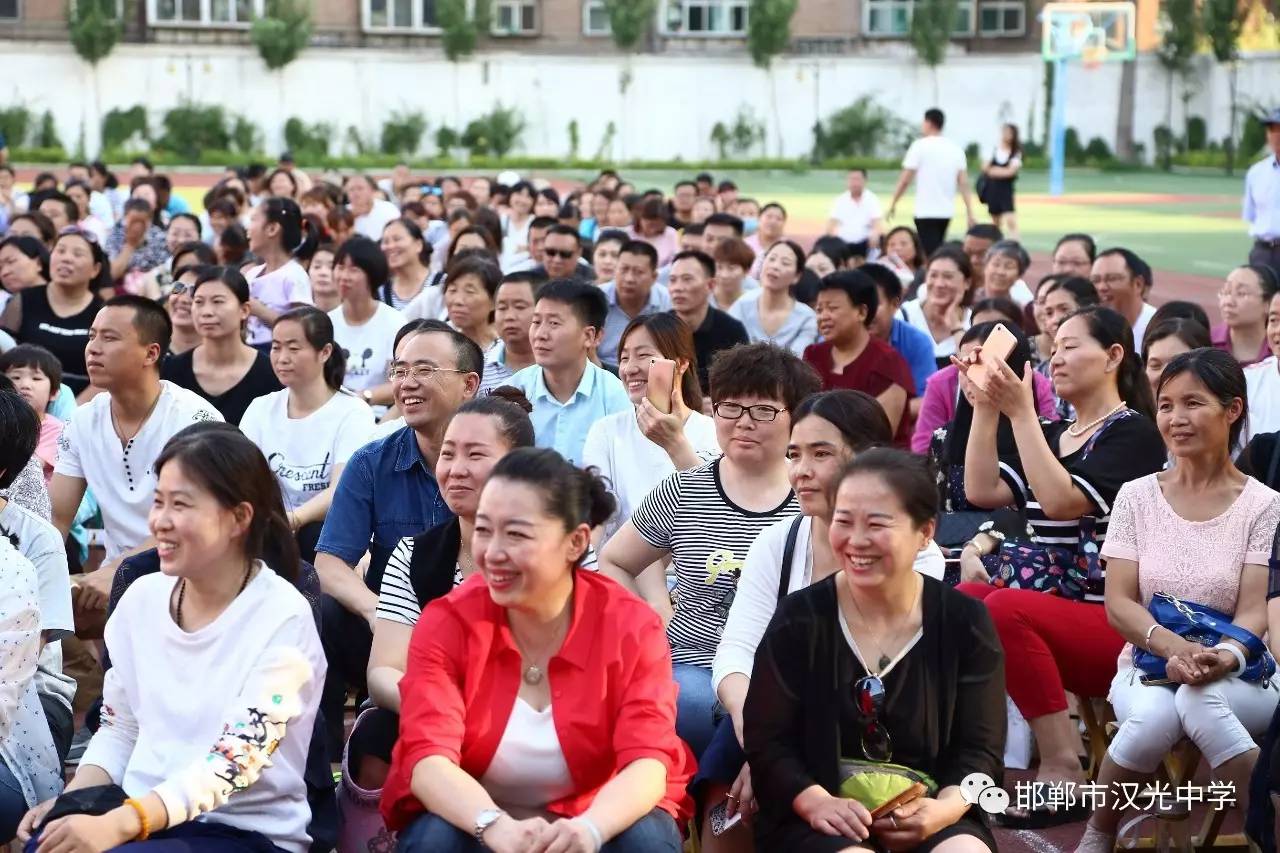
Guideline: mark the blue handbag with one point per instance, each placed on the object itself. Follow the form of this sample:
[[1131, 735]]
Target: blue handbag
[[1197, 623]]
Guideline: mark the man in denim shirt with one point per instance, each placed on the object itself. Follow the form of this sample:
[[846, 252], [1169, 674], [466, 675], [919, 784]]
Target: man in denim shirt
[[387, 491]]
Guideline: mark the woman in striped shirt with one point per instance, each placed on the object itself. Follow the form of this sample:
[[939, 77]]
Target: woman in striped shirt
[[1046, 607]]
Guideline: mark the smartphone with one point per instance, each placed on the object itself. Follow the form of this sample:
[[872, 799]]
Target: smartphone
[[719, 823], [662, 380], [998, 345]]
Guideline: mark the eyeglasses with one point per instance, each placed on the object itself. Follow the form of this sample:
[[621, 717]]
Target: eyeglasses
[[1110, 278], [420, 372], [564, 254], [868, 702], [77, 231], [759, 413]]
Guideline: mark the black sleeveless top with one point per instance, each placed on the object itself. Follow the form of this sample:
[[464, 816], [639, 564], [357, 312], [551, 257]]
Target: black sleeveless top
[[65, 337], [435, 556]]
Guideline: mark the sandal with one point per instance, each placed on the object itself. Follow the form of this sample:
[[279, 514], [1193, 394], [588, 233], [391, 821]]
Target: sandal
[[1043, 816]]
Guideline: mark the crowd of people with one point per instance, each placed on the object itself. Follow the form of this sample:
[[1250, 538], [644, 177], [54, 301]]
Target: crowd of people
[[596, 518]]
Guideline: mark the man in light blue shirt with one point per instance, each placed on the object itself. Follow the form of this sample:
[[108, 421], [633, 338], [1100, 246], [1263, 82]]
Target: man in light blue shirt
[[912, 344], [568, 392], [633, 292], [1262, 199]]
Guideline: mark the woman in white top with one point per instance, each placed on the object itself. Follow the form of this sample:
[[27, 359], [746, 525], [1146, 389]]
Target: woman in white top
[[309, 429], [635, 451], [363, 326], [277, 234], [828, 430], [943, 311], [772, 314], [408, 257], [515, 225], [207, 714], [1003, 267]]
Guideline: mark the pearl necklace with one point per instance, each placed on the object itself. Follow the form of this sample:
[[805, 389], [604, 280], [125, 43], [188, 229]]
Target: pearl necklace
[[1077, 431]]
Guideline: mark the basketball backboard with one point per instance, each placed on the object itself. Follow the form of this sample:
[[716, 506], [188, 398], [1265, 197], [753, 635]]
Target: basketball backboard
[[1091, 33]]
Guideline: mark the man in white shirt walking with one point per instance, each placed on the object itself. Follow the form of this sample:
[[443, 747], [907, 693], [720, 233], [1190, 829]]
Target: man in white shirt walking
[[855, 215], [1262, 199], [939, 169]]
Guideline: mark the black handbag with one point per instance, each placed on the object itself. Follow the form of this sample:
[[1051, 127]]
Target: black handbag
[[95, 801]]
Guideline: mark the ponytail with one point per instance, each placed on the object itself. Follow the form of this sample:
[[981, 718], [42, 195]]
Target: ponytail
[[298, 236], [1109, 329], [318, 329], [570, 494]]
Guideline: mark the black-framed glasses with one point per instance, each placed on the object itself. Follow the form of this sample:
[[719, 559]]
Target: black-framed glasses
[[760, 413], [564, 254], [420, 372], [868, 702]]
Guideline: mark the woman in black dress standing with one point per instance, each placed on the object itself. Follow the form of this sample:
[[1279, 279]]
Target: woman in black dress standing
[[875, 663], [999, 176]]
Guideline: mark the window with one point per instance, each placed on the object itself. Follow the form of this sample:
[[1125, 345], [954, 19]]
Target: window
[[893, 17], [595, 19], [8, 10], [400, 16], [706, 17], [1003, 18], [203, 13], [513, 17]]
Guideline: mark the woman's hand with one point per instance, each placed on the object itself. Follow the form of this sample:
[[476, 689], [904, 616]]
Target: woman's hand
[[742, 798], [259, 309], [508, 835], [1181, 666], [907, 826], [1014, 397], [30, 820], [82, 833], [566, 835], [663, 430], [972, 569], [837, 816], [975, 395], [1215, 664]]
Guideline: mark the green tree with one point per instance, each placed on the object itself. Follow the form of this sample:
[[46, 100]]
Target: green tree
[[1180, 24], [460, 31], [282, 33], [768, 35], [1222, 22], [720, 138], [95, 29], [629, 20], [932, 23]]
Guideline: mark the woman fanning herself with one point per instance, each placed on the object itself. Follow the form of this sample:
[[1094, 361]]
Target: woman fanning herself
[[1202, 532], [206, 715], [309, 429], [223, 369], [875, 663], [429, 566], [538, 711], [277, 234], [1045, 596]]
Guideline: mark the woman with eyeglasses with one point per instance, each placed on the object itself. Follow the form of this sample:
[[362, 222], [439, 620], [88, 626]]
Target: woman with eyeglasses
[[1243, 303], [58, 315], [706, 518], [178, 306], [875, 663]]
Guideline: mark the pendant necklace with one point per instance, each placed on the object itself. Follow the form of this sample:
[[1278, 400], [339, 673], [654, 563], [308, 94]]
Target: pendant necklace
[[533, 674], [883, 663]]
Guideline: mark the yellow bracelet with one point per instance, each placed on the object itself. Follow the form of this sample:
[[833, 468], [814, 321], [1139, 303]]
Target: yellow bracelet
[[145, 832]]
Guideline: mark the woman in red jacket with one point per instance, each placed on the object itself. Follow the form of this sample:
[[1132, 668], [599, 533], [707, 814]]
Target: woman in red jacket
[[538, 709]]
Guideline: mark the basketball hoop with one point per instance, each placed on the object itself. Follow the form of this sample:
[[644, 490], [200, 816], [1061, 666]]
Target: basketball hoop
[[1092, 56]]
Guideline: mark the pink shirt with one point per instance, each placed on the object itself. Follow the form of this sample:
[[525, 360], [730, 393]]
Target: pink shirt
[[939, 404], [1220, 335], [47, 444], [279, 291], [1198, 561], [667, 243]]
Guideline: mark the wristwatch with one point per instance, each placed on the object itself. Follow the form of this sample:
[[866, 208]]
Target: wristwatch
[[484, 820]]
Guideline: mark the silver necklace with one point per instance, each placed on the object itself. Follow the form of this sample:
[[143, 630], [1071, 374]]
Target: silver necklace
[[1076, 431]]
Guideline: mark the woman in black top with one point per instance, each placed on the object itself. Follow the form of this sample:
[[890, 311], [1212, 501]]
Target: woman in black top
[[876, 627], [58, 315], [223, 369], [999, 176]]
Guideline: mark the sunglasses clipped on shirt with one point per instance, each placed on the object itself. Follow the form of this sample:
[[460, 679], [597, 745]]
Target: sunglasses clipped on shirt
[[868, 704]]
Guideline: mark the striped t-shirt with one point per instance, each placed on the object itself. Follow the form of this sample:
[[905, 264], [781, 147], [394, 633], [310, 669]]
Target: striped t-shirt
[[708, 536], [1128, 446]]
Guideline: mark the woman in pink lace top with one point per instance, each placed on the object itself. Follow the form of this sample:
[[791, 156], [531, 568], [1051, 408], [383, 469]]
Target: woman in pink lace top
[[1201, 531]]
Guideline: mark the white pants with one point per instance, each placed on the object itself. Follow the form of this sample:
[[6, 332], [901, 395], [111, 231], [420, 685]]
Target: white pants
[[1221, 718]]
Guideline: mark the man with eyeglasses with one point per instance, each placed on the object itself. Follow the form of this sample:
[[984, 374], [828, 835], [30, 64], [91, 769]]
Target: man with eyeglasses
[[1123, 281], [387, 491], [562, 256], [634, 291]]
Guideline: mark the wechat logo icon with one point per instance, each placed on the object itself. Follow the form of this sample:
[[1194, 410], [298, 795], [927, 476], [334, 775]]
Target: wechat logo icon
[[979, 789]]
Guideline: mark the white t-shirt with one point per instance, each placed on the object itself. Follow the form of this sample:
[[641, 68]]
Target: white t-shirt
[[278, 291], [1140, 326], [757, 596], [372, 223], [633, 464], [368, 347], [855, 217], [913, 313], [228, 709], [1262, 380], [937, 161], [123, 479], [303, 451]]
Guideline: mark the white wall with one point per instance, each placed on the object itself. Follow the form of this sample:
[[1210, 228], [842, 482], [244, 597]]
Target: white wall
[[668, 108]]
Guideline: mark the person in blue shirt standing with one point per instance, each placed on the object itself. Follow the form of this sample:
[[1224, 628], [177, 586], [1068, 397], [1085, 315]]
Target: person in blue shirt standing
[[387, 492], [911, 343], [1262, 199], [569, 393]]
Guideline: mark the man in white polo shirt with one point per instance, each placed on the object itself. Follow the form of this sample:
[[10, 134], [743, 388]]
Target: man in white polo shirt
[[938, 167], [111, 443], [855, 215]]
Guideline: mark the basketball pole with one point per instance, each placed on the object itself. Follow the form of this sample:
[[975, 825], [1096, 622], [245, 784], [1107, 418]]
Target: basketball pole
[[1058, 129]]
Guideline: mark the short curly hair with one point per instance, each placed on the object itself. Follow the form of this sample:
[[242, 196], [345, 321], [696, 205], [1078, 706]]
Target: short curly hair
[[762, 370]]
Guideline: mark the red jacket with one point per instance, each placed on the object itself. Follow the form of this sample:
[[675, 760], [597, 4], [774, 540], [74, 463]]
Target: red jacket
[[613, 699]]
